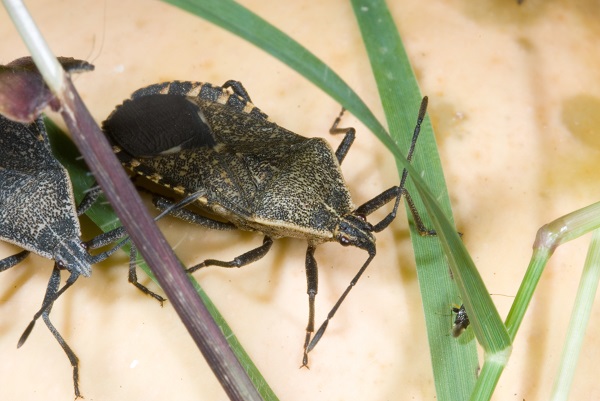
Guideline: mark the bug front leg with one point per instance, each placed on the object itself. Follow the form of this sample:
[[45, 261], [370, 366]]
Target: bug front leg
[[397, 191], [319, 334], [312, 284], [385, 197], [52, 294]]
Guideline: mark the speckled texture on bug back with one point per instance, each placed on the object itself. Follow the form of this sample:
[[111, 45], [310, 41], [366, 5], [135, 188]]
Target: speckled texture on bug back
[[37, 209]]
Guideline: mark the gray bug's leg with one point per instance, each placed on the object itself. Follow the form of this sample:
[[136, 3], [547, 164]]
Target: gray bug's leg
[[317, 337], [10, 261], [189, 216], [91, 196], [238, 89], [397, 191], [106, 238], [242, 260], [350, 134], [52, 294], [312, 287], [49, 299], [384, 198], [133, 276]]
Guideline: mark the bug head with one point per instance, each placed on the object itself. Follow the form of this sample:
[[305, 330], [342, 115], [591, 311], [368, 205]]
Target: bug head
[[72, 255], [353, 229]]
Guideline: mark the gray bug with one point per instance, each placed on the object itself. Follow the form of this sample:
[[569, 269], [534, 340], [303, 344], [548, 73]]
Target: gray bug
[[461, 321], [254, 174], [38, 213]]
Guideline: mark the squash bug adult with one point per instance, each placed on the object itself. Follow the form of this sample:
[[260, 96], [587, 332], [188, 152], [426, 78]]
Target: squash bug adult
[[254, 174], [38, 213]]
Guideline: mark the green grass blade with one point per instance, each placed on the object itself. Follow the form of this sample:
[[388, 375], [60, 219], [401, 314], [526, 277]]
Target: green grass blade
[[454, 362], [455, 371], [580, 317], [242, 22], [550, 236]]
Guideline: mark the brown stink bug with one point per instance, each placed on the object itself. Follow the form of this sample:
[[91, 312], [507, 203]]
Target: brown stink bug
[[253, 174]]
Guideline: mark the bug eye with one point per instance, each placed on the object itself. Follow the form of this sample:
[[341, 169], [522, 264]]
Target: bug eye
[[61, 264], [345, 241], [361, 217]]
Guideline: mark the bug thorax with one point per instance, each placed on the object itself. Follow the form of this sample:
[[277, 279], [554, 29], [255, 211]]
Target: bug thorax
[[72, 255], [353, 229]]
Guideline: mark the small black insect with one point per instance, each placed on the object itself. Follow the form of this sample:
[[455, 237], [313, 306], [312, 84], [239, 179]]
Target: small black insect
[[461, 321], [38, 213], [253, 174]]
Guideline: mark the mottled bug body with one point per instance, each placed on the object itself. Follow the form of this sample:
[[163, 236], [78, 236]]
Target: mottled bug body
[[253, 174], [461, 321]]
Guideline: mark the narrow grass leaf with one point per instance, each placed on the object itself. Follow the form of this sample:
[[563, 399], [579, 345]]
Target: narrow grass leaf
[[454, 362], [237, 19]]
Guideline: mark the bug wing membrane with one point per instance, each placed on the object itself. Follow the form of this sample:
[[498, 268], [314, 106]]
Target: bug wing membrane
[[158, 124]]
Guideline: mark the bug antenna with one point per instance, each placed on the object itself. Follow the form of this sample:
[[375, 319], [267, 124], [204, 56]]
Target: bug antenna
[[49, 299], [416, 132], [323, 327]]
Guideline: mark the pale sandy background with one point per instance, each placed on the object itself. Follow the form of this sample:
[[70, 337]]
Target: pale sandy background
[[515, 100]]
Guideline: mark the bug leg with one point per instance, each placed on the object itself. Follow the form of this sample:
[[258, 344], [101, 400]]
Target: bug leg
[[49, 298], [133, 276], [242, 260], [385, 197], [238, 89], [191, 217], [91, 196], [52, 294], [331, 314], [10, 261], [350, 134], [397, 191], [312, 284]]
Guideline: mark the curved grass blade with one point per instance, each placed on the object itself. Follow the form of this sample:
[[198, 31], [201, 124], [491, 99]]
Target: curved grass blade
[[247, 25], [454, 362]]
